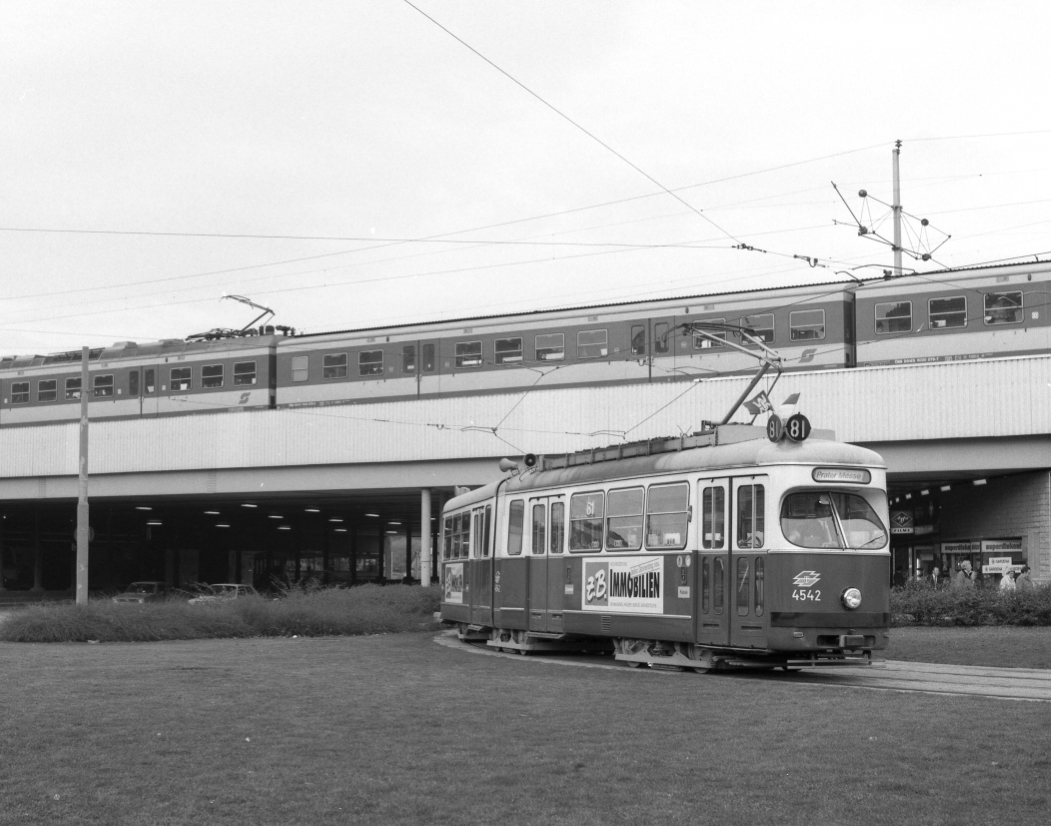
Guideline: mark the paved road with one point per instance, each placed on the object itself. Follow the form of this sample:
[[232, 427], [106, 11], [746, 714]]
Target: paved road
[[1025, 684]]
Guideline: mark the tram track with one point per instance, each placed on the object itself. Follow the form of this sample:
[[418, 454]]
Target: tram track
[[1018, 684]]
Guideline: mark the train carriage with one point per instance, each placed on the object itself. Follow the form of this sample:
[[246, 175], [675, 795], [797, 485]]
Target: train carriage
[[720, 548]]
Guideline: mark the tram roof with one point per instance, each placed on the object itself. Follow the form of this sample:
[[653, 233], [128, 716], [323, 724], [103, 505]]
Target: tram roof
[[754, 453]]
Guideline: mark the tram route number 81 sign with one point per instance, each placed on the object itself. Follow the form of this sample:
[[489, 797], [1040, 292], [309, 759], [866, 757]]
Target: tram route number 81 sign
[[796, 428]]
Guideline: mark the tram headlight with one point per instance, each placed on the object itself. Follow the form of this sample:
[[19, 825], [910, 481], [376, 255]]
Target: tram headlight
[[851, 598]]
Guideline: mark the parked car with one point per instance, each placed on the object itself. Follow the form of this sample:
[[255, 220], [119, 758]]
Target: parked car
[[142, 592], [223, 591]]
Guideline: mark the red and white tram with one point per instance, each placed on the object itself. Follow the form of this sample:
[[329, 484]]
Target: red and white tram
[[721, 548]]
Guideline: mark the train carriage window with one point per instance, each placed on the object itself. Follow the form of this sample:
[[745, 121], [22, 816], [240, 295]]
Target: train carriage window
[[102, 386], [182, 378], [558, 527], [744, 585], [893, 317], [47, 390], [133, 383], [212, 375], [718, 584], [72, 389], [370, 363], [537, 536], [585, 521], [408, 358], [624, 519], [468, 354], [638, 340], [702, 343], [661, 337], [947, 312], [751, 520], [334, 366], [149, 380], [244, 373], [427, 351], [515, 520], [508, 350], [300, 368], [20, 392], [806, 325], [760, 585], [667, 515], [762, 324], [551, 347], [1003, 308], [713, 518], [592, 344]]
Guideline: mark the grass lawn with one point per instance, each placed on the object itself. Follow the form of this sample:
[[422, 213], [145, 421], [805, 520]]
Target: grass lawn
[[396, 729], [1003, 646]]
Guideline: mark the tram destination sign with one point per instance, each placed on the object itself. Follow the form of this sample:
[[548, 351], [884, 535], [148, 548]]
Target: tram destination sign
[[842, 474]]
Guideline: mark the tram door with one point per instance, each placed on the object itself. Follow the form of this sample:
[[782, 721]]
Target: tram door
[[746, 562], [481, 593], [713, 503], [547, 539]]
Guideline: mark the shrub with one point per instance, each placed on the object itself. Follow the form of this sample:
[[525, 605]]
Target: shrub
[[303, 611], [918, 602]]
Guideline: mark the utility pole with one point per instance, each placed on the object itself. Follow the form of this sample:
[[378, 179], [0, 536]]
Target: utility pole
[[896, 207], [83, 531]]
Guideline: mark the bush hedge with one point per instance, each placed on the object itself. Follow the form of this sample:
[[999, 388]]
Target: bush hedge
[[302, 611], [918, 603]]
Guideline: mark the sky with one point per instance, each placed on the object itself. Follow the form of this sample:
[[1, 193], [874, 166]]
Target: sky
[[365, 163]]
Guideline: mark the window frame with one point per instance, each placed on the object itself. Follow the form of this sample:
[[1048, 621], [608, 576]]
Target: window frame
[[335, 366], [547, 351], [584, 350], [18, 394], [176, 385], [509, 355], [597, 521], [610, 515], [465, 359], [686, 513], [370, 366], [515, 538], [40, 390], [887, 320], [761, 332], [240, 376], [99, 386], [205, 378], [946, 315], [1019, 309], [702, 343], [802, 327], [300, 368]]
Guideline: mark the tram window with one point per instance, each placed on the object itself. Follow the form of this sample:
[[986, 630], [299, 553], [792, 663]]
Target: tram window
[[744, 585], [244, 373], [807, 521], [1003, 308], [447, 539], [558, 527], [488, 528], [515, 519], [408, 358], [102, 386], [762, 324], [20, 392], [551, 347], [806, 325], [661, 337], [667, 515], [638, 340], [468, 354], [585, 521], [370, 363], [149, 381], [624, 520], [760, 577], [718, 584], [508, 350], [182, 378], [713, 518], [476, 533], [300, 368], [427, 351], [538, 540], [706, 584], [893, 317], [702, 343], [72, 389], [947, 312], [47, 390], [212, 375], [751, 521], [592, 344], [457, 536], [861, 526], [334, 366]]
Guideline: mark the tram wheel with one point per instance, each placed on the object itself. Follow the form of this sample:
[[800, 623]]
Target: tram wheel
[[700, 670], [634, 664]]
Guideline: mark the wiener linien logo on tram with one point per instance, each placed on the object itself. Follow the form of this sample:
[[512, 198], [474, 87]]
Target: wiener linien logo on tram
[[806, 579]]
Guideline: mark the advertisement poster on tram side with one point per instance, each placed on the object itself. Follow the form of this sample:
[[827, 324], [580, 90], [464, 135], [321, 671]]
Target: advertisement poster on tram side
[[454, 582], [628, 585]]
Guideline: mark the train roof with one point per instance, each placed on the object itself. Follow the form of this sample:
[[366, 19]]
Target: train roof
[[755, 452]]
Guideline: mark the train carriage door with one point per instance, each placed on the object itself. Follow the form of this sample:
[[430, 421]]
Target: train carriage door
[[482, 566], [537, 550], [149, 389], [713, 551], [746, 561]]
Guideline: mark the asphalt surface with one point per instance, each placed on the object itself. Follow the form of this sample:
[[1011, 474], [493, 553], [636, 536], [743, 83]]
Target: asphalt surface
[[1023, 684]]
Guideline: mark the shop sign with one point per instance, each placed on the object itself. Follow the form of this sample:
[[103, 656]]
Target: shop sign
[[961, 547], [998, 565], [1001, 546], [901, 522], [632, 585], [922, 530]]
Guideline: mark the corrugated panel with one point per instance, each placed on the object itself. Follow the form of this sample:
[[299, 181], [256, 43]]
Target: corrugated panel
[[1007, 397]]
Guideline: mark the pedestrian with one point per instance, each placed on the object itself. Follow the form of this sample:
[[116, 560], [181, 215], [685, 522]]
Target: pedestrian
[[1007, 581], [935, 573], [964, 578], [1023, 582]]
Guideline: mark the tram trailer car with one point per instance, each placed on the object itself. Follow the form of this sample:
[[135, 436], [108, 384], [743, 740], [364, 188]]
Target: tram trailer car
[[744, 553], [169, 377]]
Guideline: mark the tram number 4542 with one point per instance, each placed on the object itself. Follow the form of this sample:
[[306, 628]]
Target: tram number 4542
[[807, 594]]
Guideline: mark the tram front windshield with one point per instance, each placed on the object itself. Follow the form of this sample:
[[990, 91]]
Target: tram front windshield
[[825, 519]]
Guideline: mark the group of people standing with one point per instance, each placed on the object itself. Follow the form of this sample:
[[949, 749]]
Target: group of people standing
[[1010, 581]]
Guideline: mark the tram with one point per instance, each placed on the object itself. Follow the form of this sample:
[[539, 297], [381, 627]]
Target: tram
[[726, 548]]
